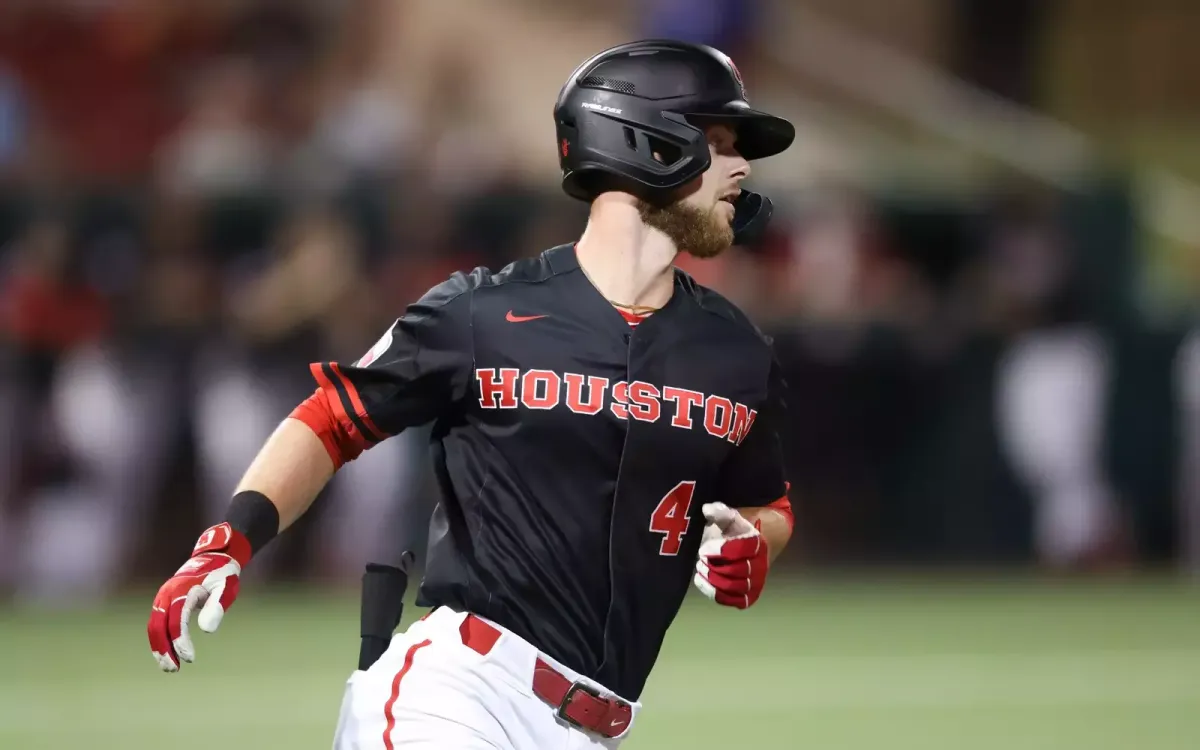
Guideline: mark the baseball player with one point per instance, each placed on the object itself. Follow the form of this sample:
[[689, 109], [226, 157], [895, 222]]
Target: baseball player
[[604, 435]]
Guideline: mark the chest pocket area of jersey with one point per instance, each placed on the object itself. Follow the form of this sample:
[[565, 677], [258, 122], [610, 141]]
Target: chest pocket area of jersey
[[676, 455], [667, 474]]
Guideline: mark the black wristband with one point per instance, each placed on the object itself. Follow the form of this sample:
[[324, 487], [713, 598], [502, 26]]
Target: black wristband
[[255, 516]]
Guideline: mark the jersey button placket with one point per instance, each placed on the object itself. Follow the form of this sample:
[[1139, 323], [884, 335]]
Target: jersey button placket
[[627, 337]]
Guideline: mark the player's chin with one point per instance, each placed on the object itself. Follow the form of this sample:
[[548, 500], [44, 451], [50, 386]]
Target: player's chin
[[721, 236], [714, 243]]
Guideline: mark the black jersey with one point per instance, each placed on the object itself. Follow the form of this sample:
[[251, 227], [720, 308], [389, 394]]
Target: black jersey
[[573, 452]]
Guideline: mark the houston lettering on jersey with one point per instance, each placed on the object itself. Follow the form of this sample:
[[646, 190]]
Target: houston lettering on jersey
[[508, 388]]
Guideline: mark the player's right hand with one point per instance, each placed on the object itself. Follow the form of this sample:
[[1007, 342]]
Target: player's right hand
[[209, 580], [732, 565]]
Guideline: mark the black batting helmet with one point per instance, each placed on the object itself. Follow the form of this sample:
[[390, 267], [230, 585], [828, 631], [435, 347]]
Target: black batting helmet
[[628, 103]]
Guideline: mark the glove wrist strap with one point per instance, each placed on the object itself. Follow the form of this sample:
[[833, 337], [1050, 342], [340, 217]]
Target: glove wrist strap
[[223, 538]]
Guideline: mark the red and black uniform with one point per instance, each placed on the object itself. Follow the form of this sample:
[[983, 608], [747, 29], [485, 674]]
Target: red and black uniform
[[573, 450]]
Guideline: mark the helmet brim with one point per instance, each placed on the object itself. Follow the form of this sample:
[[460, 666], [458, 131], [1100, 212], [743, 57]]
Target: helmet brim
[[759, 134]]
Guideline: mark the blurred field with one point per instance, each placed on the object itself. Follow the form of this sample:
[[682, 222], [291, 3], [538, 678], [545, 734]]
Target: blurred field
[[851, 665]]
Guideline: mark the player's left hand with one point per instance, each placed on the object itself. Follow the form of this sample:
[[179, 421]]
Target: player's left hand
[[208, 581], [732, 565]]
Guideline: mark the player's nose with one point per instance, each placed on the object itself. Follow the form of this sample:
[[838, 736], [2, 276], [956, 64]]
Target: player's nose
[[740, 171]]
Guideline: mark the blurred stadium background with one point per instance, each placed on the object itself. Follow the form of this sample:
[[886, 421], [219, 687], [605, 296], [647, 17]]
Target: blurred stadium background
[[982, 282]]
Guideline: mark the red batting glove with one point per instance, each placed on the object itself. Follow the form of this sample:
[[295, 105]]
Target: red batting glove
[[732, 566], [209, 580]]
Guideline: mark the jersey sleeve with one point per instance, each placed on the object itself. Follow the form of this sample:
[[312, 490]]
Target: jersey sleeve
[[753, 475], [413, 374]]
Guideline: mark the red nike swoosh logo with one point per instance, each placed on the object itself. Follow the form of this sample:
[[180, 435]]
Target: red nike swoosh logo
[[521, 318]]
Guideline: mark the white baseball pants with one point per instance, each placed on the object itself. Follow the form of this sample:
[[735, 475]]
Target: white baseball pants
[[429, 690]]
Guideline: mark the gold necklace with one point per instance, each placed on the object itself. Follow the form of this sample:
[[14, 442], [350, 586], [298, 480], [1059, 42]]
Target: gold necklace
[[635, 309]]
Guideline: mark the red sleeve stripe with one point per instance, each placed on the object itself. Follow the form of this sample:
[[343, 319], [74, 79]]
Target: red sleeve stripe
[[359, 408], [339, 442], [346, 407], [784, 506], [337, 403]]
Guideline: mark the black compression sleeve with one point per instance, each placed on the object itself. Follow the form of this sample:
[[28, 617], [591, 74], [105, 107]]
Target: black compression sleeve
[[255, 516]]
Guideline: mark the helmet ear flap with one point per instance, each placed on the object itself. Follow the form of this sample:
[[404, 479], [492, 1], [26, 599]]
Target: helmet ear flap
[[586, 184], [751, 214], [648, 156]]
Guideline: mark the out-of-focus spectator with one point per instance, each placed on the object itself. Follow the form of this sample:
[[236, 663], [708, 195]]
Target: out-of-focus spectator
[[462, 157], [838, 270], [365, 130], [10, 458], [14, 122], [51, 313], [842, 303], [100, 74], [45, 306], [1187, 385], [1053, 386], [221, 146], [1051, 404]]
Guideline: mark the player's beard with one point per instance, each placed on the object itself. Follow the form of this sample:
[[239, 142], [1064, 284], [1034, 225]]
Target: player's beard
[[695, 231]]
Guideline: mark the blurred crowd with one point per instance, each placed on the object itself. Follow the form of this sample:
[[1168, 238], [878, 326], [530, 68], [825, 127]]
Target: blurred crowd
[[199, 199]]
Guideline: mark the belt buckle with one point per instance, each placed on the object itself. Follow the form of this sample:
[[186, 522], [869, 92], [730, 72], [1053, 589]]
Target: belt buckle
[[576, 687]]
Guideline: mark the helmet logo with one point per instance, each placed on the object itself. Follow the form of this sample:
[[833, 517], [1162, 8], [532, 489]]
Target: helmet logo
[[601, 108], [566, 147], [737, 75]]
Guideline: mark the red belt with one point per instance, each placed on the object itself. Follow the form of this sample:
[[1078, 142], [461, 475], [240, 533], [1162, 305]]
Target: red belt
[[574, 702]]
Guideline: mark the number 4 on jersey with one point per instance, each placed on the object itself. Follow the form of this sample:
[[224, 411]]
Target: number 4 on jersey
[[671, 518]]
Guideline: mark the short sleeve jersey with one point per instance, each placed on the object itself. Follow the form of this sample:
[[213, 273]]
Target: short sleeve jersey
[[573, 452]]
